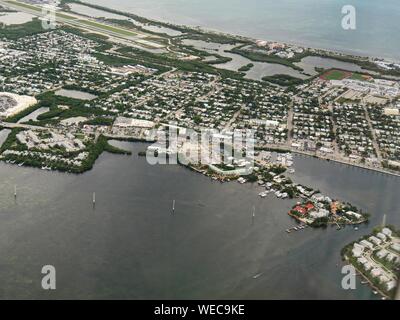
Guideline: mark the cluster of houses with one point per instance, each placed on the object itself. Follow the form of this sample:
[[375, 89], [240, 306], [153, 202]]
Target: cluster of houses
[[216, 109], [312, 123], [353, 133], [33, 64], [358, 121], [379, 257], [317, 206], [48, 149], [50, 140], [197, 100], [158, 98], [266, 114], [387, 130], [47, 160]]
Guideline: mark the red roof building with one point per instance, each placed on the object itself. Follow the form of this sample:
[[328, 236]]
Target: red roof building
[[300, 210], [309, 206]]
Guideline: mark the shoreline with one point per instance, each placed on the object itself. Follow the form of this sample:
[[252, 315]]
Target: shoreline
[[370, 284], [287, 148], [205, 29], [343, 162], [326, 158], [275, 148], [364, 61]]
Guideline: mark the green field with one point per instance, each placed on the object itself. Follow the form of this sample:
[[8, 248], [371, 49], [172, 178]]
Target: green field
[[358, 76], [342, 74], [336, 75], [64, 16]]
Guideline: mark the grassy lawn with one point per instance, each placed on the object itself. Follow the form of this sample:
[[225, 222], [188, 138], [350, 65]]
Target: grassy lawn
[[64, 16], [335, 75], [107, 27], [359, 76], [342, 74]]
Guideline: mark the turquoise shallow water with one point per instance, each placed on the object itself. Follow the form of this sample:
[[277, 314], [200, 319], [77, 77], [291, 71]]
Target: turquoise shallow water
[[315, 23]]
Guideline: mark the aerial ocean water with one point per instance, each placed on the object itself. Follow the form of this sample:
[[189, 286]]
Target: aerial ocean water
[[130, 246], [314, 23]]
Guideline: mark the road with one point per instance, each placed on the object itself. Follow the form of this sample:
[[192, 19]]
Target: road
[[290, 123], [374, 138], [11, 125]]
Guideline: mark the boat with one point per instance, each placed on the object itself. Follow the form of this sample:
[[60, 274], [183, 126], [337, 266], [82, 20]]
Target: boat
[[288, 231], [257, 276]]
